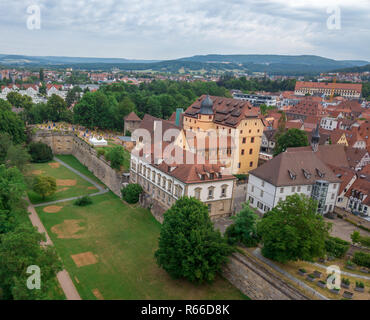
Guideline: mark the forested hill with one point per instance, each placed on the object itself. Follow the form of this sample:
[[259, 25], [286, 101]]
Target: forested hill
[[272, 64]]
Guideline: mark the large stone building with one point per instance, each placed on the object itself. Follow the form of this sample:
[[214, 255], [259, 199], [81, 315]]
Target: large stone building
[[164, 182], [236, 121], [347, 90], [295, 171]]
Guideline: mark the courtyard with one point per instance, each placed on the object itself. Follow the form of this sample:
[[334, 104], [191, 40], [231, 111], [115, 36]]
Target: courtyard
[[108, 247]]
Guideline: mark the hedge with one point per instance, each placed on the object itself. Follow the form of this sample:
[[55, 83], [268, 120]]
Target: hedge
[[336, 247], [131, 193], [361, 259]]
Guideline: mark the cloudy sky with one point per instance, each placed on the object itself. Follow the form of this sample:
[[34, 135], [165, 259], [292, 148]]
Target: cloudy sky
[[167, 29]]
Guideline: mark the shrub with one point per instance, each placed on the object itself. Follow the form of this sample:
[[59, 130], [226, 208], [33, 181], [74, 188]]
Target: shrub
[[357, 238], [101, 152], [84, 201], [116, 156], [360, 284], [244, 229], [336, 247], [131, 193], [40, 152], [303, 270], [241, 176], [362, 259], [346, 281]]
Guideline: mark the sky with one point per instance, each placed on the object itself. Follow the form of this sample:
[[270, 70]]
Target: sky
[[169, 29]]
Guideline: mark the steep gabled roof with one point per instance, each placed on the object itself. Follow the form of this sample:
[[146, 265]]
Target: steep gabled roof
[[295, 168], [132, 117]]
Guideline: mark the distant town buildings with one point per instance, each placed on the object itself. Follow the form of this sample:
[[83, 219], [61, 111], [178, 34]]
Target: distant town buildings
[[347, 90]]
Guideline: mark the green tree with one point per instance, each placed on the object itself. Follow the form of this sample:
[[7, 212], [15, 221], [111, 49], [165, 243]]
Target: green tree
[[293, 230], [12, 187], [17, 156], [244, 228], [189, 247], [116, 156], [40, 152], [42, 89], [20, 249], [45, 186], [41, 74], [57, 108], [11, 123], [131, 193], [5, 143], [289, 139]]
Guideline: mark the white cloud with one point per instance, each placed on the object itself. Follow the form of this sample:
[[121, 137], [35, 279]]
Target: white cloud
[[173, 28]]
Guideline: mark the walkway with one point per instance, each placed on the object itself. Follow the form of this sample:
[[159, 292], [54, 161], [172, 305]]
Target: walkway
[[96, 185], [349, 274], [63, 277], [257, 253]]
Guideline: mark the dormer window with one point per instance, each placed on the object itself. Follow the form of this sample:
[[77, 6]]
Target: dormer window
[[320, 174], [306, 174], [292, 175]]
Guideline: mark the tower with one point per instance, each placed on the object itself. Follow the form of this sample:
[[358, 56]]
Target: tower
[[206, 107]]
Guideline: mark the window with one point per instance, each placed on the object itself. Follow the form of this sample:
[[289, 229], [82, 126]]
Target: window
[[334, 186], [252, 189], [252, 140], [242, 152], [263, 183], [309, 188], [210, 192], [250, 151], [299, 189], [261, 193], [229, 131], [223, 191], [209, 207], [293, 189], [197, 193], [251, 164], [251, 200], [244, 140], [239, 164], [281, 190], [332, 196]]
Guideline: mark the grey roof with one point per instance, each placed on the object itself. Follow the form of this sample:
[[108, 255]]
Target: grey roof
[[207, 106], [295, 168]]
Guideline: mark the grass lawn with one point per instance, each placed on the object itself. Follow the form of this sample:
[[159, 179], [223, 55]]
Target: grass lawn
[[122, 240], [75, 164], [68, 183]]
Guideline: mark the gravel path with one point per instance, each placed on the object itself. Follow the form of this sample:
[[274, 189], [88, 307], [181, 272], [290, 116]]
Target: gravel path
[[355, 275], [257, 253]]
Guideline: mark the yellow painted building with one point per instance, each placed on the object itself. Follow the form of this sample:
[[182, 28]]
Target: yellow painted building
[[236, 121]]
